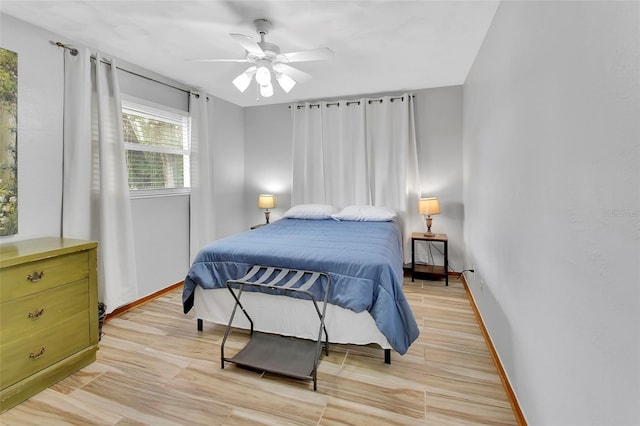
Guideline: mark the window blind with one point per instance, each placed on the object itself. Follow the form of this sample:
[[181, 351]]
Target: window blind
[[157, 145]]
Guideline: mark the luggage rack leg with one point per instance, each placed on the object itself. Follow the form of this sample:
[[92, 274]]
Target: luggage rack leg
[[233, 314], [274, 353]]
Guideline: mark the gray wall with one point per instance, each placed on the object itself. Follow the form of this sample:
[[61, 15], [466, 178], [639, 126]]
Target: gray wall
[[226, 131], [438, 114], [40, 93], [268, 159], [551, 169], [439, 137]]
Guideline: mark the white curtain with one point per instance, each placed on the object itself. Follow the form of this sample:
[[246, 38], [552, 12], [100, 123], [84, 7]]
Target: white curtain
[[96, 204], [308, 176], [358, 152], [202, 224]]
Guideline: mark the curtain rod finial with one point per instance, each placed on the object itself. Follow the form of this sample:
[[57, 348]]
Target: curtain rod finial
[[72, 50]]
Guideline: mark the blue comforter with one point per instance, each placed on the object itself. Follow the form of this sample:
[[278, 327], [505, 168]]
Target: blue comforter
[[363, 259]]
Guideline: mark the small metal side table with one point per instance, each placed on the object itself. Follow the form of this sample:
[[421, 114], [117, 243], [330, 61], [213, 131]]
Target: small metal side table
[[434, 270]]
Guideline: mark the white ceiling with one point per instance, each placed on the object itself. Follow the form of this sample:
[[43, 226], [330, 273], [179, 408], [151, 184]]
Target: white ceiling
[[380, 46]]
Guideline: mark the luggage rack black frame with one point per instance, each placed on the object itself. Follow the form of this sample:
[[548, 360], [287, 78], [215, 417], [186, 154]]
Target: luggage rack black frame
[[274, 353]]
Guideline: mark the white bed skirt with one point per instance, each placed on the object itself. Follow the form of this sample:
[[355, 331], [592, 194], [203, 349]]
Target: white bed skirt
[[288, 316]]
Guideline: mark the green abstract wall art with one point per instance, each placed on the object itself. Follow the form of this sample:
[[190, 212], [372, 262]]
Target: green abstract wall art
[[8, 142]]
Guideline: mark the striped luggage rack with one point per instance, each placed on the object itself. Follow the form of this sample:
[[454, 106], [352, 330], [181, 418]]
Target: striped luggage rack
[[274, 353]]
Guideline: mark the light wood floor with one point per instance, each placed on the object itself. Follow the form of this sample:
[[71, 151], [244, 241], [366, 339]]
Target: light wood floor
[[155, 368]]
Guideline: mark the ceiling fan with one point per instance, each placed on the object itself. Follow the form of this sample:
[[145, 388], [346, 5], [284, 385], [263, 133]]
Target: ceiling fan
[[270, 62]]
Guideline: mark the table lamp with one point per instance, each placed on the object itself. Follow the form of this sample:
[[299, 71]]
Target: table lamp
[[266, 201], [428, 207]]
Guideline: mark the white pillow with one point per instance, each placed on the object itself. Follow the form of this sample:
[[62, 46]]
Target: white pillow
[[366, 214], [310, 211]]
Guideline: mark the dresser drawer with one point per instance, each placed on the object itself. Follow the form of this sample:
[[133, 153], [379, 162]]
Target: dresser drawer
[[30, 315], [32, 277], [44, 343]]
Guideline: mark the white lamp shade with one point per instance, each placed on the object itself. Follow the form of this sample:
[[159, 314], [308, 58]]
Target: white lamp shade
[[429, 206], [266, 91], [243, 80], [263, 76], [266, 201], [285, 82]]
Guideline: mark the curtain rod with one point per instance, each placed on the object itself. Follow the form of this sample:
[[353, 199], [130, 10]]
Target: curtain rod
[[74, 52], [369, 101]]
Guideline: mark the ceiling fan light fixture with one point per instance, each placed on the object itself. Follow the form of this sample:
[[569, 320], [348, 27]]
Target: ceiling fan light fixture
[[285, 82], [266, 91], [263, 76], [266, 59], [242, 82]]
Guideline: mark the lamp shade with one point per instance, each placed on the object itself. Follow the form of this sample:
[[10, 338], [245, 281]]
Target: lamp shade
[[267, 90], [266, 201], [263, 75], [429, 206], [285, 82], [242, 81]]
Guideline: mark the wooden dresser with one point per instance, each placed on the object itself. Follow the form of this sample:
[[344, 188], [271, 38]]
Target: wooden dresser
[[48, 314]]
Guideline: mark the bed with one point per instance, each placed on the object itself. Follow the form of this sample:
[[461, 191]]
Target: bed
[[364, 260]]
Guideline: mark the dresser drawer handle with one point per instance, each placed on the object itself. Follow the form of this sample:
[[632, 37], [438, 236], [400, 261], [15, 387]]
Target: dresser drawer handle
[[36, 276], [36, 315], [38, 355]]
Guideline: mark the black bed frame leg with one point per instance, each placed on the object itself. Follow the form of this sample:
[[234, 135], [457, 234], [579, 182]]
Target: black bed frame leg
[[387, 356], [199, 324]]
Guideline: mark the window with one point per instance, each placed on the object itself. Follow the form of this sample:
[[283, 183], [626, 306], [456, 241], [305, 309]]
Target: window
[[157, 146]]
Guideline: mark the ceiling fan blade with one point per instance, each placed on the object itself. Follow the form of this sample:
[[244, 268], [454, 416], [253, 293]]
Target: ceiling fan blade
[[320, 54], [217, 60], [292, 72], [248, 43]]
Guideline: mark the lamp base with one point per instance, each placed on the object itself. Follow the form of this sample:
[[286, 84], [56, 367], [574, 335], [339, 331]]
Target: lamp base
[[267, 213], [429, 221]]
